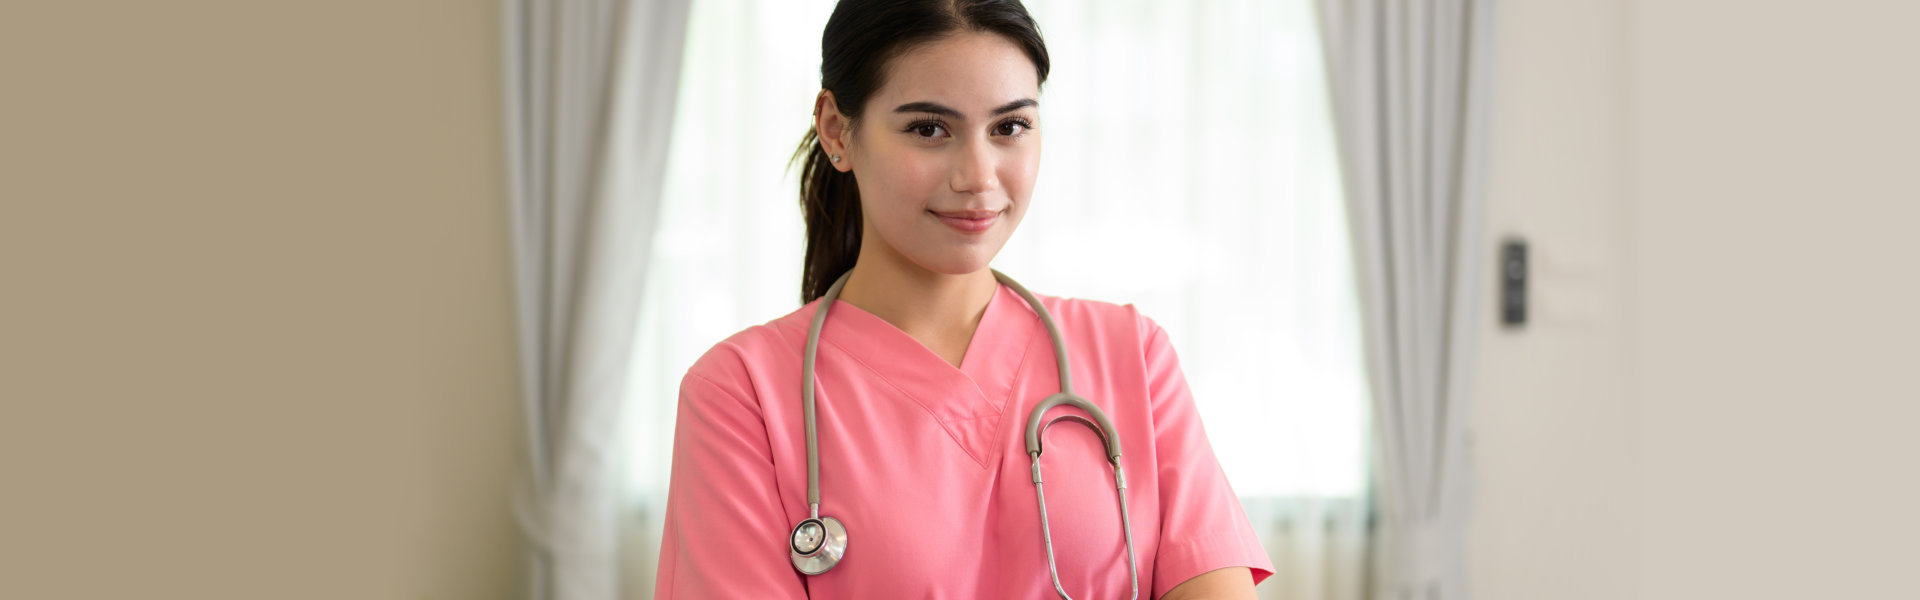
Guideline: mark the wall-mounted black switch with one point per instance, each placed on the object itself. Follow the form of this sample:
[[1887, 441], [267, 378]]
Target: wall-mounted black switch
[[1513, 283]]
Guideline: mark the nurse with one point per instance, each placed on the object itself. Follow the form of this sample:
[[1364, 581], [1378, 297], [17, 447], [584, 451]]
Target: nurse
[[919, 166]]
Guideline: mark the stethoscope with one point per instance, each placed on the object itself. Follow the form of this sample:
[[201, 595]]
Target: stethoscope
[[818, 543]]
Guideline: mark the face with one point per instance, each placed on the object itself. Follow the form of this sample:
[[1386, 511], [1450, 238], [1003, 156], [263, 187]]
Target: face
[[945, 153]]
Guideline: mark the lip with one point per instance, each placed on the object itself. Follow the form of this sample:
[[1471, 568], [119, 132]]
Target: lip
[[969, 221]]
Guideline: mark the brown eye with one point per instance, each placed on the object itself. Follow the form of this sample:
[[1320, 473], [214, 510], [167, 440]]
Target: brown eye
[[1012, 128], [927, 129]]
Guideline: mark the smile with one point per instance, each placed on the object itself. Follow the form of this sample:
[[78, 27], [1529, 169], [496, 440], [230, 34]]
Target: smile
[[968, 221]]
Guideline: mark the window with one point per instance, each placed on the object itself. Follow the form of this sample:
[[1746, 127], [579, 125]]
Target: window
[[1189, 169]]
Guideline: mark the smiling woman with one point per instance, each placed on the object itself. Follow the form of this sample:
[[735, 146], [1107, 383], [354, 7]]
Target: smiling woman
[[1188, 169], [889, 462]]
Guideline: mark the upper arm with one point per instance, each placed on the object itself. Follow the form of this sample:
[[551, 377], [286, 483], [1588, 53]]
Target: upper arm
[[724, 528]]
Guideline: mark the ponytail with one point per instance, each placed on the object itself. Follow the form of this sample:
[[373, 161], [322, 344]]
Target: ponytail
[[830, 201]]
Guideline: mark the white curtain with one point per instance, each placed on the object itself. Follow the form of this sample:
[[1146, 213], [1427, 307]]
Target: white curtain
[[1409, 87], [1189, 168], [589, 98]]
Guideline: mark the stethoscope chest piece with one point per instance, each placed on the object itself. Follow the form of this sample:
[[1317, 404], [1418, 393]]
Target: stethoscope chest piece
[[818, 544]]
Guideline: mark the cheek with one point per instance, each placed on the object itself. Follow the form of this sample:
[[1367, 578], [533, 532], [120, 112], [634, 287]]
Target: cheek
[[904, 179], [1019, 173]]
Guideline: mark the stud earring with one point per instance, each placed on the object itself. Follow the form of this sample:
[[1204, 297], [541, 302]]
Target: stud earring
[[836, 158]]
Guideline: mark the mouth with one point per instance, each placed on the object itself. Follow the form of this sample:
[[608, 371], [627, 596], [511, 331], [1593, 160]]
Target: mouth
[[968, 221]]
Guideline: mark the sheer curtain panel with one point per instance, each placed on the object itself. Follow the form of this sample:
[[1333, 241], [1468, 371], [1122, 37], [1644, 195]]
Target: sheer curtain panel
[[589, 99], [1409, 89]]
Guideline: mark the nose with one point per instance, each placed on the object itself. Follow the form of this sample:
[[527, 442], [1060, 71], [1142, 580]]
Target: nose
[[975, 170]]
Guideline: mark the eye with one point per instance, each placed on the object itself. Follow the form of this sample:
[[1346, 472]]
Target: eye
[[1013, 127], [927, 129]]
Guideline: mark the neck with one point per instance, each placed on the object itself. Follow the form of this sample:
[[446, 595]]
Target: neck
[[922, 303]]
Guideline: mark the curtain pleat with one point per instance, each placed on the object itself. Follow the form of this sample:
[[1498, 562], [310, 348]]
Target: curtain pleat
[[1408, 83], [588, 88]]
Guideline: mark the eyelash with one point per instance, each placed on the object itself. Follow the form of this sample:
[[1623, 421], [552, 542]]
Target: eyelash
[[1025, 126]]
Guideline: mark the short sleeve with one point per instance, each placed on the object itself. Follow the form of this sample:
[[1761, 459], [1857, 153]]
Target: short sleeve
[[724, 527], [1202, 524]]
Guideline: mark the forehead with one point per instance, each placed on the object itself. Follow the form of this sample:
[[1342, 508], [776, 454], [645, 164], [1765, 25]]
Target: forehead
[[971, 72]]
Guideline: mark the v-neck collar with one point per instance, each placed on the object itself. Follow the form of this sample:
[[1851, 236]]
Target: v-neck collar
[[967, 400]]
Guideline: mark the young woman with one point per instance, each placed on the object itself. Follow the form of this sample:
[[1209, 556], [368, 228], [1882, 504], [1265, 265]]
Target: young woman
[[910, 469]]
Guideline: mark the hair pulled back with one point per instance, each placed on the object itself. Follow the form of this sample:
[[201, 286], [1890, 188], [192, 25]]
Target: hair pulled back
[[860, 37]]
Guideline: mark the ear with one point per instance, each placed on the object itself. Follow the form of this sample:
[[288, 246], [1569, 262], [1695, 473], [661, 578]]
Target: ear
[[831, 127]]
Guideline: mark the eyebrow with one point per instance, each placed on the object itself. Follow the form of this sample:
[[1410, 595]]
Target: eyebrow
[[938, 109]]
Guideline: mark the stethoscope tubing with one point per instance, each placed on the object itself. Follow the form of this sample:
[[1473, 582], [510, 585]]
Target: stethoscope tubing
[[1104, 428]]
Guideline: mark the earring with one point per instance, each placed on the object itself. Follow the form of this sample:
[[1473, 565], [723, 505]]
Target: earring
[[836, 158]]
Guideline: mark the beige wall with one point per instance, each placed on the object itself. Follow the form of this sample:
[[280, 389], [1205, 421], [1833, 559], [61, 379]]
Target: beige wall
[[255, 318], [1776, 160], [1715, 402]]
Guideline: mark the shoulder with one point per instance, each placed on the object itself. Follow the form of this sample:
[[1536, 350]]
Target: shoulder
[[1109, 321], [746, 362], [1121, 338]]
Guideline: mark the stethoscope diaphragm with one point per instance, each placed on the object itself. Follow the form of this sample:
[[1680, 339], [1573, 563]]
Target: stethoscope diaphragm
[[818, 544]]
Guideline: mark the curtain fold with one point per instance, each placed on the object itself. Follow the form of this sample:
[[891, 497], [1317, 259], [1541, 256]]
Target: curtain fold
[[1408, 82], [589, 98]]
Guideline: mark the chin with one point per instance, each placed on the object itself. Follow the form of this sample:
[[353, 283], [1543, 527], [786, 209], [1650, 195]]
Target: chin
[[956, 265]]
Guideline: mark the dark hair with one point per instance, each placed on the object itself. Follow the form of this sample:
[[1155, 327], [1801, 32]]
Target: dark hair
[[861, 36]]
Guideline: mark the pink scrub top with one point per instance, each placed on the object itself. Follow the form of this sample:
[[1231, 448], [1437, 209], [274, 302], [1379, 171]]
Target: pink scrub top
[[926, 464]]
